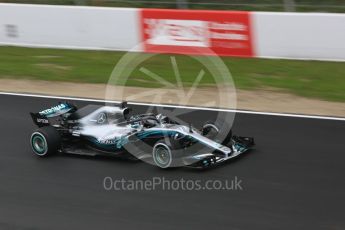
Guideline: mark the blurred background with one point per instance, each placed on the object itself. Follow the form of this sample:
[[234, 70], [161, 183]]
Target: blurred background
[[284, 55], [336, 6]]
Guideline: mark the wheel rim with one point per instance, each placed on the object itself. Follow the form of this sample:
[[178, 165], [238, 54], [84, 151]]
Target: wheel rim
[[39, 144], [162, 156]]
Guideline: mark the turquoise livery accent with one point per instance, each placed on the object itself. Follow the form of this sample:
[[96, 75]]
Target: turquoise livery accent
[[56, 110]]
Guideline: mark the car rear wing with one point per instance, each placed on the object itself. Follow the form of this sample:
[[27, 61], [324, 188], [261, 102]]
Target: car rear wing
[[39, 120], [58, 110], [42, 118]]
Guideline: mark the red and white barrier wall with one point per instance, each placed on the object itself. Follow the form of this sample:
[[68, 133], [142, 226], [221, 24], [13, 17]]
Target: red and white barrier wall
[[226, 33], [69, 26], [299, 35]]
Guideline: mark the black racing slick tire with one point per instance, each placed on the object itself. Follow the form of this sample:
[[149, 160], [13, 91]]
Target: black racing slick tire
[[45, 141], [214, 131], [210, 130]]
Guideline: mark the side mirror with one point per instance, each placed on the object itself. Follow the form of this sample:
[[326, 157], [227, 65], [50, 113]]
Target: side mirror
[[178, 136]]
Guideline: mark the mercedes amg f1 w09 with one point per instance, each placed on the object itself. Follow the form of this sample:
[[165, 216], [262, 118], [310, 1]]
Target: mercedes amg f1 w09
[[115, 131]]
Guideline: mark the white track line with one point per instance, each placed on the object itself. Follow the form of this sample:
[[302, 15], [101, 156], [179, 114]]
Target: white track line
[[177, 106]]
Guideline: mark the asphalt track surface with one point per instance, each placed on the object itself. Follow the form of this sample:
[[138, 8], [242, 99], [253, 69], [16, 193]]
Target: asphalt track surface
[[294, 179]]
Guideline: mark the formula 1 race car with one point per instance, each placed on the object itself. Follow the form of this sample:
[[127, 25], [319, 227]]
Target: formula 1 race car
[[111, 130]]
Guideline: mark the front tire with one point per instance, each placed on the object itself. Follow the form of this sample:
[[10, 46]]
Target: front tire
[[210, 130], [45, 141], [214, 131]]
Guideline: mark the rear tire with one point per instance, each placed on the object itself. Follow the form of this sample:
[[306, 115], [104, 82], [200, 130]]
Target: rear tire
[[45, 141], [162, 154]]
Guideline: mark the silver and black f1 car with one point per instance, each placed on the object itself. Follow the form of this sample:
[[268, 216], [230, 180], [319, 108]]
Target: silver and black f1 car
[[111, 130]]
